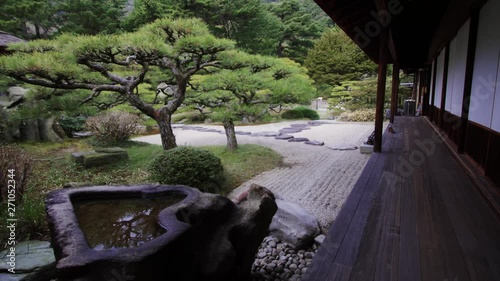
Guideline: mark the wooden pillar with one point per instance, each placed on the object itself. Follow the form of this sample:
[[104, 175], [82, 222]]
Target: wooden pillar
[[382, 72], [469, 71], [433, 96], [395, 90], [428, 81], [445, 85]]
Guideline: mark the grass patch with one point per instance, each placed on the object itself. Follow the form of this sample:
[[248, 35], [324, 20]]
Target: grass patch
[[52, 170], [245, 163]]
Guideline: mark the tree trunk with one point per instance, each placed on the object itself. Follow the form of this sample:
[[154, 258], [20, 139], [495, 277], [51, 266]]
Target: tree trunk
[[232, 144], [166, 132]]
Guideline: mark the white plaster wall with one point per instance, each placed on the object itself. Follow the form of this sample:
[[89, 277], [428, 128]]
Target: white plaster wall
[[456, 83], [484, 106], [432, 81], [439, 79], [451, 74]]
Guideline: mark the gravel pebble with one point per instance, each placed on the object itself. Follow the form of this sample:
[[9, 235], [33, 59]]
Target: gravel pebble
[[277, 261]]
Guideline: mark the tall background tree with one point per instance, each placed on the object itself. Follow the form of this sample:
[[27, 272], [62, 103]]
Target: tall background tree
[[334, 58], [298, 31], [90, 17], [28, 18]]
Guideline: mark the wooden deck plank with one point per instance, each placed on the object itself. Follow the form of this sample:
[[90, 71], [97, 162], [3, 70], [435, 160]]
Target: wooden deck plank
[[349, 249], [477, 228], [322, 261], [431, 225], [364, 268]]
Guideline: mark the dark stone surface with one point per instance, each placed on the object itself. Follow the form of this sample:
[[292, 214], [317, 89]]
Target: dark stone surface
[[208, 237], [100, 157], [298, 140], [290, 130], [284, 137], [243, 133], [315, 143]]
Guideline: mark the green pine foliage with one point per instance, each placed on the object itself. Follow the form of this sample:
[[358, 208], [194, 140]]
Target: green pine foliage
[[335, 58]]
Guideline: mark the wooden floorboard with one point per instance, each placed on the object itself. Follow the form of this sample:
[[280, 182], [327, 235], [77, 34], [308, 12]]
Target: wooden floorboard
[[414, 215]]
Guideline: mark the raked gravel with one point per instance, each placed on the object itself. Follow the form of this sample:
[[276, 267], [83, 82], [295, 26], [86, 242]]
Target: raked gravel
[[317, 178]]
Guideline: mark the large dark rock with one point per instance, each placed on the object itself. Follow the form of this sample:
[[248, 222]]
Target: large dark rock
[[294, 225], [208, 237]]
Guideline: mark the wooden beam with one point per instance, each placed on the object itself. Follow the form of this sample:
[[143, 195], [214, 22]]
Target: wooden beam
[[469, 71], [395, 90], [433, 96], [445, 85], [382, 72]]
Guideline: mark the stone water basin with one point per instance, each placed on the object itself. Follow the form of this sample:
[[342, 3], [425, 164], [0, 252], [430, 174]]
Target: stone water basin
[[122, 222]]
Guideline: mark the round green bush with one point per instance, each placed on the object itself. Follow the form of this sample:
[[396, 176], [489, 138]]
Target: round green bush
[[187, 166], [308, 113], [292, 114]]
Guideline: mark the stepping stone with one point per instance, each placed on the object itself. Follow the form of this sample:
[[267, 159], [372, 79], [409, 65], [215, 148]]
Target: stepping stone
[[212, 130], [291, 130], [315, 143], [298, 125], [30, 255], [317, 123], [284, 137], [298, 140], [267, 134], [242, 133], [343, 148]]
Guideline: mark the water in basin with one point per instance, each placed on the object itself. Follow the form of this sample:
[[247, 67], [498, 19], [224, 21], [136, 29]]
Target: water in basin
[[121, 222]]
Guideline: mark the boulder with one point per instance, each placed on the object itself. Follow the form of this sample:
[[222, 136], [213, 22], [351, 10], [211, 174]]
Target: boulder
[[46, 128], [294, 225], [30, 255], [16, 94]]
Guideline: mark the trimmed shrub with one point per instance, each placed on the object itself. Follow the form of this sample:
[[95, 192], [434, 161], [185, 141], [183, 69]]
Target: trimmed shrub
[[187, 166], [362, 115], [308, 113], [113, 128], [72, 124], [292, 114], [16, 166]]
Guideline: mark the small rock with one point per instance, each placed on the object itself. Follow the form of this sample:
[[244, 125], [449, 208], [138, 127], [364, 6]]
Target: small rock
[[319, 239], [298, 140], [293, 266]]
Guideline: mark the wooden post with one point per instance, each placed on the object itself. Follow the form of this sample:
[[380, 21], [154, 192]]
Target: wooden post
[[469, 70], [433, 96], [445, 85], [382, 72], [395, 90]]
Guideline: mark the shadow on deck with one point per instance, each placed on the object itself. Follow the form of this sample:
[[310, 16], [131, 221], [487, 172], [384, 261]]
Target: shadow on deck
[[414, 214]]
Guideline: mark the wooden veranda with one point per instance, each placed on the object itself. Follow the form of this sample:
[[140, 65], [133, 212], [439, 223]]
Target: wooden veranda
[[414, 214]]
